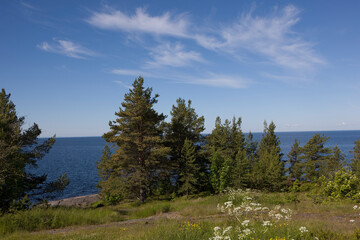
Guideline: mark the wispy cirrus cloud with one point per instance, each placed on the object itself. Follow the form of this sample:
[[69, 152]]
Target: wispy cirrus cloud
[[67, 48], [210, 79], [271, 37], [218, 80], [173, 55], [141, 21]]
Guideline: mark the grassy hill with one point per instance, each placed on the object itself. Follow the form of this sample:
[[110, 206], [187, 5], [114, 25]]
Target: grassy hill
[[221, 216]]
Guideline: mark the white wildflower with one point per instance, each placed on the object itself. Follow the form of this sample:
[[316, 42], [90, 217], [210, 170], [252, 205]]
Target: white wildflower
[[278, 216], [228, 204], [258, 209], [283, 210], [245, 223], [247, 231], [277, 207], [303, 230], [355, 207], [265, 209], [226, 230], [267, 223], [248, 209], [352, 220]]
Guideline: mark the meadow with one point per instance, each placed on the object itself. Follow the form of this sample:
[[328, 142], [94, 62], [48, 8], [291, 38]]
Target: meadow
[[222, 216]]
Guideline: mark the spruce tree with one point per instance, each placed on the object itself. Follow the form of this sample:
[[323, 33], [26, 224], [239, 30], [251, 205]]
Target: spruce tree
[[19, 152], [184, 124], [314, 156], [139, 160], [335, 162], [355, 161], [189, 170], [227, 154], [269, 169], [295, 167]]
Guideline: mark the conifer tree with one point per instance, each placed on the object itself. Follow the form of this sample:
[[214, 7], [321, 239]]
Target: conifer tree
[[314, 156], [335, 162], [188, 172], [295, 166], [269, 169], [139, 159], [355, 161], [19, 151], [226, 147], [184, 124]]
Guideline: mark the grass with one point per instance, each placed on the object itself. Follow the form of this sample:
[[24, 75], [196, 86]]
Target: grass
[[329, 220]]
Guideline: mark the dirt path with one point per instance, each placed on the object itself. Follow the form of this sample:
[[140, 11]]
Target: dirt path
[[148, 220]]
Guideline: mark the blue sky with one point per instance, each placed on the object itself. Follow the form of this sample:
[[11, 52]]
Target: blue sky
[[68, 64]]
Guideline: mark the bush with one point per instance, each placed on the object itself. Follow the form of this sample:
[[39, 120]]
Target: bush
[[344, 185]]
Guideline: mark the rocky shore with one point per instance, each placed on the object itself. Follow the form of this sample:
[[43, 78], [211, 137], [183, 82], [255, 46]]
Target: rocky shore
[[81, 201]]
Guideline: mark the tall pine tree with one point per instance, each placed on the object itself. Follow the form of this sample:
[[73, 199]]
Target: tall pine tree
[[268, 171], [189, 171], [20, 151], [139, 160], [335, 162], [314, 156], [227, 154], [295, 167], [184, 124]]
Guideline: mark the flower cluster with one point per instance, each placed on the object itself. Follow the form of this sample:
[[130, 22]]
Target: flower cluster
[[251, 218], [221, 233]]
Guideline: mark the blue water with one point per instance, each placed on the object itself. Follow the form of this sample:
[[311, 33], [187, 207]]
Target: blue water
[[78, 156]]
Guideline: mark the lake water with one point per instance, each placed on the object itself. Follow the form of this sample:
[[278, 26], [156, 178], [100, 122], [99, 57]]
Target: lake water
[[78, 156]]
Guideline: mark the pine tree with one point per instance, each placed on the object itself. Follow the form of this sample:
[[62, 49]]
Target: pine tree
[[139, 160], [355, 161], [184, 124], [269, 169], [335, 162], [188, 172], [314, 156], [295, 166], [19, 151], [226, 148]]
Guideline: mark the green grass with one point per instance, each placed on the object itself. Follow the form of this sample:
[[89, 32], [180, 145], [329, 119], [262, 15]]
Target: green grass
[[329, 220], [50, 218]]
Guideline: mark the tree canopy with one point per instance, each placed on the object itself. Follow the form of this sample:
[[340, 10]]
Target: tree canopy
[[20, 149]]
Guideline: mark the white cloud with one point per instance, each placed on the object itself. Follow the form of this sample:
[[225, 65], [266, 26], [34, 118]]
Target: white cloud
[[123, 84], [222, 81], [271, 37], [342, 124], [141, 22], [66, 48], [211, 79], [172, 55]]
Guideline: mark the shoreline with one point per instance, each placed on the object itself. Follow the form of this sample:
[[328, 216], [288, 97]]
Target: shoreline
[[79, 201]]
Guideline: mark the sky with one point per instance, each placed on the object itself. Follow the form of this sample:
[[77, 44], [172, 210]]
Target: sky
[[68, 64]]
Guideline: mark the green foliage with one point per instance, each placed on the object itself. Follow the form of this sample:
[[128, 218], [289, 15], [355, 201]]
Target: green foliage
[[269, 169], [20, 150], [185, 125], [188, 172], [344, 185], [49, 218], [314, 157], [139, 161], [355, 161], [230, 165], [335, 162], [295, 169]]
